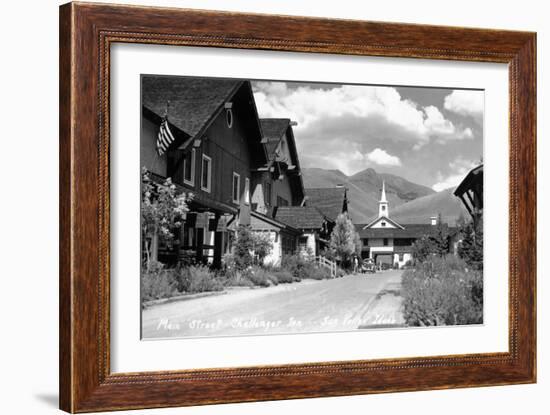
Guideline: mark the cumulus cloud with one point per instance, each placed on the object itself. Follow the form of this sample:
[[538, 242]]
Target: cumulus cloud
[[466, 103], [381, 108], [382, 158], [459, 167]]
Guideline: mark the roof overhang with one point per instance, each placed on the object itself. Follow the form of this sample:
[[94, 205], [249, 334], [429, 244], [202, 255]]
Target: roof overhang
[[387, 219]]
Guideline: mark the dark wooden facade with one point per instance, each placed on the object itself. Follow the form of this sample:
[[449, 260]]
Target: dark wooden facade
[[214, 165], [470, 192]]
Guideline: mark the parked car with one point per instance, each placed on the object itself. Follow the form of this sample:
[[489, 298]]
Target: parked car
[[368, 265]]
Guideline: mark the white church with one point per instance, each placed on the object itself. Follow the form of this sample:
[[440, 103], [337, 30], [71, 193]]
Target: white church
[[386, 241]]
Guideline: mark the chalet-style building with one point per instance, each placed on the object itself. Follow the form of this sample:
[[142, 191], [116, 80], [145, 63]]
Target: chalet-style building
[[276, 184], [314, 227], [279, 182], [217, 146], [386, 241], [315, 218], [470, 192], [241, 170]]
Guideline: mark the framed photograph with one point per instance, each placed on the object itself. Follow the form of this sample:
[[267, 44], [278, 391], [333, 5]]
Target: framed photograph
[[258, 207]]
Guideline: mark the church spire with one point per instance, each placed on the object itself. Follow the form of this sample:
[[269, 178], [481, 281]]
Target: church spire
[[383, 197], [383, 203]]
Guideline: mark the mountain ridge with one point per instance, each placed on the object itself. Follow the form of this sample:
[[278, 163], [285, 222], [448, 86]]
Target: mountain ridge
[[407, 200]]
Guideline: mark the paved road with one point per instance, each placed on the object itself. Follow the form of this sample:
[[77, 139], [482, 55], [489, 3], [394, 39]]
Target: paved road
[[310, 306]]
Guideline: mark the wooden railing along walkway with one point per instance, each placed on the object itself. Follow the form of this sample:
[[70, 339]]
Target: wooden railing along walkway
[[327, 263]]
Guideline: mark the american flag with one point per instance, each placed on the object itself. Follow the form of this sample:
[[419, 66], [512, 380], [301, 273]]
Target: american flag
[[165, 137]]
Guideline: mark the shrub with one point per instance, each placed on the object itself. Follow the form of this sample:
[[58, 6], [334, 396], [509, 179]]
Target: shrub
[[250, 247], [294, 264], [283, 276], [229, 264], [202, 279], [197, 279], [423, 248], [301, 267], [260, 277], [262, 246], [319, 273], [244, 244], [237, 279], [442, 291], [157, 282]]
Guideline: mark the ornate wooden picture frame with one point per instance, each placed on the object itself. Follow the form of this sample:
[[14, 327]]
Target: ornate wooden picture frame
[[87, 32]]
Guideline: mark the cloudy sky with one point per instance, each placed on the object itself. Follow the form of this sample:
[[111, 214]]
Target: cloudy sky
[[430, 136]]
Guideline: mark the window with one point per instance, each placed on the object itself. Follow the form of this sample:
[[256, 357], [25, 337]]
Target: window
[[206, 173], [385, 241], [365, 241], [383, 208], [268, 193], [247, 191], [189, 168], [236, 187], [229, 118], [302, 243], [383, 223]]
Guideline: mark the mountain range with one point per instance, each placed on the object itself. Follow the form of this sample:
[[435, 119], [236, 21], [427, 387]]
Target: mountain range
[[408, 202]]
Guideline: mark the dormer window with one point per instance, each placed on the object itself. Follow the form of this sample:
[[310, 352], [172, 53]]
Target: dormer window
[[229, 114]]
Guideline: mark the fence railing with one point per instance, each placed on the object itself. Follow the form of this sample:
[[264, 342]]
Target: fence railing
[[328, 264]]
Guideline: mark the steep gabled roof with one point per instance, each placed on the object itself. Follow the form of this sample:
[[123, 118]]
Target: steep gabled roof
[[409, 231], [193, 102], [474, 177], [273, 131], [385, 218], [261, 219], [300, 217], [330, 201]]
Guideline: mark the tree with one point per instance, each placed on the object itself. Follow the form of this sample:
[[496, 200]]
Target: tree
[[343, 239], [243, 248], [262, 246], [423, 248], [470, 247], [162, 211], [436, 244], [440, 238]]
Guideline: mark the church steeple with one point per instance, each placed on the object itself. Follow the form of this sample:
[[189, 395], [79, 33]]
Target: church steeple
[[383, 203]]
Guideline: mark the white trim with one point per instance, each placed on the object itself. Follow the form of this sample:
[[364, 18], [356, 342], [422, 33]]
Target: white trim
[[238, 199], [246, 191], [193, 165], [383, 218], [208, 187]]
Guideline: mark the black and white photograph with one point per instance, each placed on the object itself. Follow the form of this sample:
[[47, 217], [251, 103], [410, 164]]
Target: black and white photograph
[[283, 207]]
